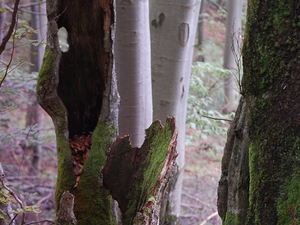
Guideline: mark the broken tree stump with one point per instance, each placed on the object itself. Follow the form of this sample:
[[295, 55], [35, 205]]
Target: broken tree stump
[[137, 177]]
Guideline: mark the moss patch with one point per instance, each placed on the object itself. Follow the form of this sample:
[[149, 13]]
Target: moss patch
[[272, 88], [231, 219], [93, 204]]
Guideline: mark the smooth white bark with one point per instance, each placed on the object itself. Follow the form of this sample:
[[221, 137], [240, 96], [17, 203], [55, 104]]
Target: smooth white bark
[[232, 53], [133, 59], [173, 29]]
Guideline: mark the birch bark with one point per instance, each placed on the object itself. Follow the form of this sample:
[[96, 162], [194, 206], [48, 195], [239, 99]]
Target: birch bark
[[133, 59], [173, 28]]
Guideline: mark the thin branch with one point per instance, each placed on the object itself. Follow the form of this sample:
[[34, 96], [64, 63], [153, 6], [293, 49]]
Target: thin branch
[[11, 28], [209, 217], [12, 51], [214, 118]]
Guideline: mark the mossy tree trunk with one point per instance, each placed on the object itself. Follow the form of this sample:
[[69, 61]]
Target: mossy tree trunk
[[271, 88], [78, 89]]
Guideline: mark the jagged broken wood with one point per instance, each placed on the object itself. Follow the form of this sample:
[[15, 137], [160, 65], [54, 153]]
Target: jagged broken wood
[[137, 177]]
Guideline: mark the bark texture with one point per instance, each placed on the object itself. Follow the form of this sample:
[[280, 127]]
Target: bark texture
[[140, 180], [271, 86], [233, 43], [78, 90], [173, 30], [133, 68], [233, 190]]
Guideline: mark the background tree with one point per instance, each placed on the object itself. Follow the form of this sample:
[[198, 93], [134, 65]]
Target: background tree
[[264, 189], [133, 68], [39, 23], [173, 30], [232, 53]]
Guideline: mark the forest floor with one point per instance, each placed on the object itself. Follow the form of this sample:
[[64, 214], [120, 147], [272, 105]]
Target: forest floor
[[200, 183]]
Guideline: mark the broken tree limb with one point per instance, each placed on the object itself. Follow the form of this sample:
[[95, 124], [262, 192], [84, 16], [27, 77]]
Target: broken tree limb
[[137, 177]]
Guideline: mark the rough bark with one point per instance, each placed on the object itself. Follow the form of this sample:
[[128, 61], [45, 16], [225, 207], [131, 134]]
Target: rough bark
[[78, 90], [140, 181], [232, 53], [233, 190], [173, 30], [271, 86], [133, 68]]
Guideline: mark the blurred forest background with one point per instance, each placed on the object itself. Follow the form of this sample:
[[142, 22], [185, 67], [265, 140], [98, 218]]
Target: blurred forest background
[[27, 139]]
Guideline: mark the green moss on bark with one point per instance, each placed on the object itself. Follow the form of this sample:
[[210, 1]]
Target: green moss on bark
[[288, 205], [232, 219], [93, 204], [272, 89], [65, 172], [47, 68], [153, 164]]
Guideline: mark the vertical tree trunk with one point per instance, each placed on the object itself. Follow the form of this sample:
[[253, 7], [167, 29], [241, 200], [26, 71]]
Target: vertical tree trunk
[[272, 99], [173, 28], [133, 68], [232, 53], [200, 30], [33, 111], [78, 90]]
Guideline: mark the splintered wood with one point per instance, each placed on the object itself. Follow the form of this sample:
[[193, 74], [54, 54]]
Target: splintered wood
[[138, 177], [80, 148]]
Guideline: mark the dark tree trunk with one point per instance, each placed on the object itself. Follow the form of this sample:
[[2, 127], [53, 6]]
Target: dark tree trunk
[[77, 89], [271, 86]]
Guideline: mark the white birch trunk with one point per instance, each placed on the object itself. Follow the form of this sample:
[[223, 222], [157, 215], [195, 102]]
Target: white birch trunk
[[232, 53], [133, 59], [173, 29]]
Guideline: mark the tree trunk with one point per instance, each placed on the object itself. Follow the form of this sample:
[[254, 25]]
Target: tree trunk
[[140, 180], [200, 31], [272, 99], [233, 190], [232, 52], [133, 59], [173, 29], [78, 90], [33, 111]]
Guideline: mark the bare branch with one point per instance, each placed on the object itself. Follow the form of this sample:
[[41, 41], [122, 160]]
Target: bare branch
[[11, 27], [12, 51], [214, 118]]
